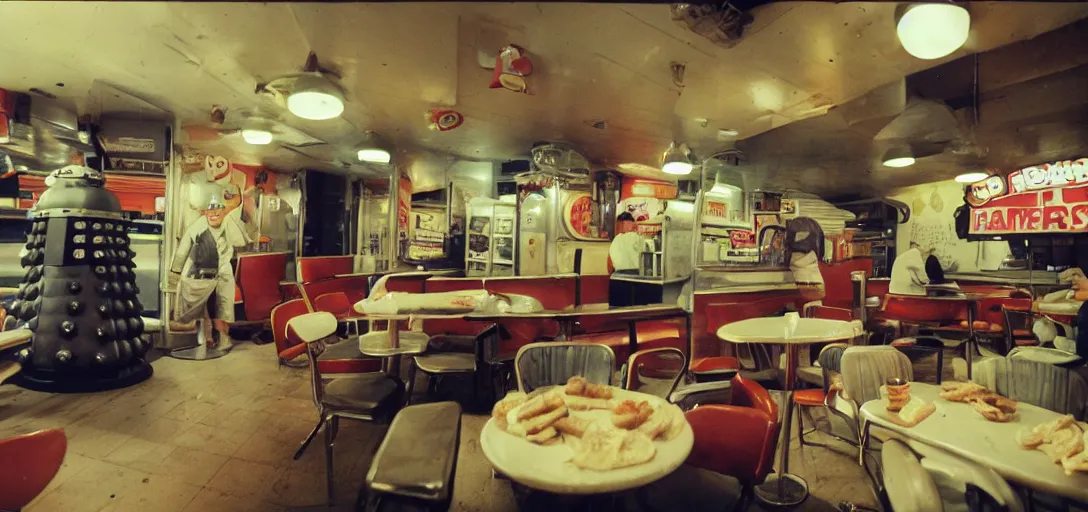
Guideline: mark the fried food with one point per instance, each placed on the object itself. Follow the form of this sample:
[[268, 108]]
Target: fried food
[[665, 422], [572, 425], [543, 421], [503, 407], [1043, 431], [579, 386], [912, 414], [629, 415], [543, 436], [540, 405], [581, 403], [1006, 405], [1064, 443], [962, 391], [992, 412], [604, 449]]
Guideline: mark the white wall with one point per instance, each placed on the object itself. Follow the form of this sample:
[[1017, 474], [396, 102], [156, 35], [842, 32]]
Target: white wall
[[931, 225]]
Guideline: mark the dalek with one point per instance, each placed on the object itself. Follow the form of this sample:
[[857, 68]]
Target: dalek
[[78, 295]]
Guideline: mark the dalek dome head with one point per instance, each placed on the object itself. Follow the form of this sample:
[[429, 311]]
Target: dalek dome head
[[76, 187]]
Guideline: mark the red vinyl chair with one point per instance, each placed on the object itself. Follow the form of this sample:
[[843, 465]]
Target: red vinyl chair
[[281, 314], [737, 440], [336, 303], [30, 462]]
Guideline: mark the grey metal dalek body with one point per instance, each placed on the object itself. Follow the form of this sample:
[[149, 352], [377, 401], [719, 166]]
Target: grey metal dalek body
[[78, 294]]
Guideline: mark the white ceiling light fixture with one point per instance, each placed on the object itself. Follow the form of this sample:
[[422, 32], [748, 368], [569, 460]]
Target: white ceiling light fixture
[[257, 137], [314, 97], [931, 31], [971, 177], [677, 159], [898, 157], [373, 151]]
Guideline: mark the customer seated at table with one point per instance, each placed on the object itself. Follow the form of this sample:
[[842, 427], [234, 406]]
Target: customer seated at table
[[909, 273]]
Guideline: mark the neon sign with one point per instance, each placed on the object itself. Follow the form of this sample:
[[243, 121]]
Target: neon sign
[[1040, 177]]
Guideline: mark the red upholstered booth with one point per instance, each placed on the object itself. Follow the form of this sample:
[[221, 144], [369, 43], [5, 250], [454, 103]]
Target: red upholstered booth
[[313, 268], [354, 287], [30, 462], [838, 290]]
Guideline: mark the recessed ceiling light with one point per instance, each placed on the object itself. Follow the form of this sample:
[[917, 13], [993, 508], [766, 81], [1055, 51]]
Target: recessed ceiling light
[[257, 137], [728, 132], [374, 155], [314, 97], [932, 31], [898, 157], [971, 177]]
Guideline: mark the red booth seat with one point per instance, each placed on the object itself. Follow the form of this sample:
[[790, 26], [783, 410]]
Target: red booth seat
[[259, 277], [354, 287], [312, 268]]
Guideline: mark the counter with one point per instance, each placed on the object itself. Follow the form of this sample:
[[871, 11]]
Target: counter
[[1015, 277], [636, 290]]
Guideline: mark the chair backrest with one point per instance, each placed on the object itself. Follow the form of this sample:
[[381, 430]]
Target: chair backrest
[[920, 309], [313, 268], [259, 277], [865, 368], [1016, 319], [281, 314], [313, 329], [816, 309], [907, 483], [748, 393], [735, 441], [336, 303], [30, 462], [921, 351], [1049, 386], [553, 363], [655, 371]]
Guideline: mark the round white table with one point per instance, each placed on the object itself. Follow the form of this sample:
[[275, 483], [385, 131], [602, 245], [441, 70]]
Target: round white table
[[783, 489], [548, 468]]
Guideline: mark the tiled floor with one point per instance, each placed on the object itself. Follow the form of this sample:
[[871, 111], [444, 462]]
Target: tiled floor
[[218, 435]]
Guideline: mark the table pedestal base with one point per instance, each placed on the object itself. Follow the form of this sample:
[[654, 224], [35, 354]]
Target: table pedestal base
[[784, 490]]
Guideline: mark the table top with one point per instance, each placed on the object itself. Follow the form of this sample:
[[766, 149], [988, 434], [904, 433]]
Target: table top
[[772, 330], [601, 310], [377, 344], [548, 468], [957, 428]]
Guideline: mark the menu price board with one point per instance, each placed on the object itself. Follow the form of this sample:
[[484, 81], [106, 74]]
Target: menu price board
[[1049, 198]]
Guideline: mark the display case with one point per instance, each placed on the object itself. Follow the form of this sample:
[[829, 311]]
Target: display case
[[376, 246], [726, 233], [490, 238]]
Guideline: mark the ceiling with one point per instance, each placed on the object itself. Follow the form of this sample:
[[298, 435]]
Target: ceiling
[[592, 62]]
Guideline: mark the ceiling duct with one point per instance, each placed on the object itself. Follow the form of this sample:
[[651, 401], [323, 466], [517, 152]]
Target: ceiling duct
[[722, 24], [560, 158], [50, 136]]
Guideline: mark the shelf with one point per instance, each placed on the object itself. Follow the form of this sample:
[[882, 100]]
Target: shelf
[[503, 236], [477, 260], [503, 262], [428, 204]]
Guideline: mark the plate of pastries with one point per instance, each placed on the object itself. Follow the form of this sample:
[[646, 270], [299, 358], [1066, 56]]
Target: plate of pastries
[[987, 403], [583, 434], [1062, 439]]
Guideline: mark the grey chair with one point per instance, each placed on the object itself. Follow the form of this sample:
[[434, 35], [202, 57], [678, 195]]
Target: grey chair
[[454, 354], [864, 369], [1049, 386], [367, 397], [908, 485], [655, 371], [539, 365]]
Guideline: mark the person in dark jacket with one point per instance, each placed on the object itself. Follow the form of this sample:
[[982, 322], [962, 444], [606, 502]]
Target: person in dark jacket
[[934, 271]]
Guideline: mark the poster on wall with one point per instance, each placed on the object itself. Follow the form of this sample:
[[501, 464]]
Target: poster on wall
[[1048, 198]]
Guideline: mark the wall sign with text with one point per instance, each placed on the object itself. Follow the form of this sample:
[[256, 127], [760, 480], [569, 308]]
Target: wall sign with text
[[1061, 174], [1053, 210]]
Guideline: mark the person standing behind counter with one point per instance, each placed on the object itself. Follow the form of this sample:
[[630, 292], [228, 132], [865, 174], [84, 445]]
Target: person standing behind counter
[[909, 275]]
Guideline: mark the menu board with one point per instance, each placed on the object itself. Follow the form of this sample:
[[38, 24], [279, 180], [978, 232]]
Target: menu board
[[1049, 198]]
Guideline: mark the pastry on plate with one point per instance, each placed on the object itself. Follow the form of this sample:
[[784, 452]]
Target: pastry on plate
[[666, 422], [504, 406], [629, 415], [1042, 432], [603, 448], [546, 436], [579, 386], [539, 405], [572, 425], [989, 410], [961, 391], [581, 403]]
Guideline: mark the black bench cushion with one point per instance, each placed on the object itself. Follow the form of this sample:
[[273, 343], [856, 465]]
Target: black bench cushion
[[419, 453], [365, 393]]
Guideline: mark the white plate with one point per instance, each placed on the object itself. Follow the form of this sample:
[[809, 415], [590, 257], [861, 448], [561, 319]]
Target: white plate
[[548, 468]]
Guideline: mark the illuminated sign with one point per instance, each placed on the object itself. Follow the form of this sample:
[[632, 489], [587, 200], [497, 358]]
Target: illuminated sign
[[1052, 210], [716, 209], [1040, 177]]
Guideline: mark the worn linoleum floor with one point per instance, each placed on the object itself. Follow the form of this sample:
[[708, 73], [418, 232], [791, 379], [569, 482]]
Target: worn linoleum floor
[[211, 436]]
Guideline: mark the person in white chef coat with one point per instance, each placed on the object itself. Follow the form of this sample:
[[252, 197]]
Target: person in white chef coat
[[909, 272]]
